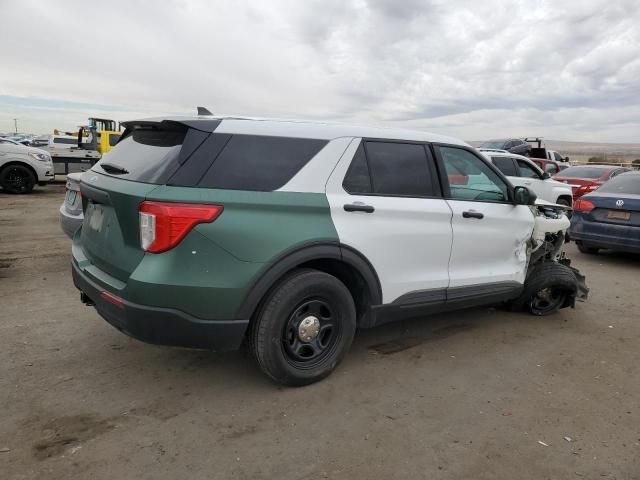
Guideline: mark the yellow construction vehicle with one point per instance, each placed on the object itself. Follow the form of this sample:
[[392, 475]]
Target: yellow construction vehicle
[[102, 134]]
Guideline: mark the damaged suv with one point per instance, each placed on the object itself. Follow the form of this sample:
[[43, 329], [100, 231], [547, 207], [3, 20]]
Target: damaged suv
[[209, 232]]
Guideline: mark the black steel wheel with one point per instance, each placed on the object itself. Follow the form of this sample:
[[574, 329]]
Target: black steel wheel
[[311, 333], [17, 178], [547, 300], [303, 328]]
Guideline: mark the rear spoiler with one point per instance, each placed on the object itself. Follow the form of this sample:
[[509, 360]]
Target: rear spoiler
[[204, 125]]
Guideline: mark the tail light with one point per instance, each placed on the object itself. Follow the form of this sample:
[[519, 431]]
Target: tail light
[[585, 189], [582, 205], [164, 225]]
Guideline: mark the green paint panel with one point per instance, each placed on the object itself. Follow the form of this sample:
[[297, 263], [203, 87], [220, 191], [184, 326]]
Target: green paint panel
[[258, 226], [209, 273], [110, 232]]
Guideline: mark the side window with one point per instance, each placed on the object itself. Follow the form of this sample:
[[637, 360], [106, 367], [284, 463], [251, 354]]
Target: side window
[[482, 185], [551, 169], [527, 170], [505, 165], [357, 179], [259, 163], [390, 168]]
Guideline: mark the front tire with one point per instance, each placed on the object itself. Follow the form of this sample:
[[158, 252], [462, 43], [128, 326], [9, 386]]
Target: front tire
[[17, 179], [304, 328], [549, 287]]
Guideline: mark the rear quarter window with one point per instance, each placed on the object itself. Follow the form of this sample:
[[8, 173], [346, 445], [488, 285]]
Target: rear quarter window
[[259, 163]]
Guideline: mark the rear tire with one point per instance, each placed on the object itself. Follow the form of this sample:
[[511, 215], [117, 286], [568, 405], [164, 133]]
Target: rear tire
[[304, 328], [586, 249], [548, 288], [17, 179]]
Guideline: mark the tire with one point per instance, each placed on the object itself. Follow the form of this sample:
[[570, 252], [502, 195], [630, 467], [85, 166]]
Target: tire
[[277, 334], [549, 287], [586, 249], [563, 201], [17, 178]]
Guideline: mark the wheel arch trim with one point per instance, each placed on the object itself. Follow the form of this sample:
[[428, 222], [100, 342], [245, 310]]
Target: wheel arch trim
[[299, 255]]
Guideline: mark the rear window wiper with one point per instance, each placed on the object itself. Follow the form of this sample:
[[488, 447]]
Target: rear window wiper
[[111, 168]]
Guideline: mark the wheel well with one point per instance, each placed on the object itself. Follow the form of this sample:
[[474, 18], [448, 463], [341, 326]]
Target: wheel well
[[16, 162], [351, 278], [568, 198]]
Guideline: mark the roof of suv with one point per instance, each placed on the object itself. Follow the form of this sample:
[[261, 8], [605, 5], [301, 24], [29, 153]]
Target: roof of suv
[[300, 129]]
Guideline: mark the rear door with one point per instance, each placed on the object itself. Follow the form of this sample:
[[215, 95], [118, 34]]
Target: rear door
[[490, 233], [386, 203]]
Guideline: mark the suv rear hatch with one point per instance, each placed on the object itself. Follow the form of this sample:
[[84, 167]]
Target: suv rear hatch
[[112, 191]]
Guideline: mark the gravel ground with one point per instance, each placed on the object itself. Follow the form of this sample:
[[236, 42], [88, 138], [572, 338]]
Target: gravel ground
[[478, 394]]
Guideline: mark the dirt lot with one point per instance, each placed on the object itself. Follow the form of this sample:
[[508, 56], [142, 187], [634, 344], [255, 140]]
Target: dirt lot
[[481, 394]]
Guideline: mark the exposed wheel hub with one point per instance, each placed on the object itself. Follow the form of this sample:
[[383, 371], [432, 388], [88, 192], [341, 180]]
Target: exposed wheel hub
[[308, 329]]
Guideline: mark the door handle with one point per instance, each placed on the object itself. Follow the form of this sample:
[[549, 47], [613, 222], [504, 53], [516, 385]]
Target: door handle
[[527, 183], [358, 207], [473, 214]]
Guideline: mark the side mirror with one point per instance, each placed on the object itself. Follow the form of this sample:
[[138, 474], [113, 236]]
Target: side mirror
[[566, 159], [523, 196], [545, 175]]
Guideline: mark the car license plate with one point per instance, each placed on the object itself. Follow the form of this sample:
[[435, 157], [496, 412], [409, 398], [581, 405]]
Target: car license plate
[[71, 197], [619, 215]]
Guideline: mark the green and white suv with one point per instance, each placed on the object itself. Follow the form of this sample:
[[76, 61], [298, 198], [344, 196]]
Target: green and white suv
[[207, 232]]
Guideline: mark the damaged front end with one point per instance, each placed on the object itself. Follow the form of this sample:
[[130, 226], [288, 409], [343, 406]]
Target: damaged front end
[[551, 282]]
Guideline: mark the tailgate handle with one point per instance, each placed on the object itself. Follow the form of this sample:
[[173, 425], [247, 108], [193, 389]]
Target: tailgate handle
[[94, 194]]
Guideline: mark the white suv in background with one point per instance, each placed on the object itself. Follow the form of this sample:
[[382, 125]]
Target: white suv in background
[[522, 171], [22, 167]]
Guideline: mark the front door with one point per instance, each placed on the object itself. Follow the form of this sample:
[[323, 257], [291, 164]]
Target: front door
[[490, 233], [386, 203]]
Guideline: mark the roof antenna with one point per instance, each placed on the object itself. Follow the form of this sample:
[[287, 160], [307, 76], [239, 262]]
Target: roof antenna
[[204, 111]]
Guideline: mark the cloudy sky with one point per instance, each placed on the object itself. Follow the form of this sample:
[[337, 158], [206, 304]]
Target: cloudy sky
[[474, 69]]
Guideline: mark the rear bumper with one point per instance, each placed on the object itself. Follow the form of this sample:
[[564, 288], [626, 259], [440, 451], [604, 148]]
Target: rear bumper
[[162, 326], [616, 237], [69, 223]]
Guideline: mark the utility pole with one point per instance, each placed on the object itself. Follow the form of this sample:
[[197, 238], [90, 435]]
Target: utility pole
[[15, 124]]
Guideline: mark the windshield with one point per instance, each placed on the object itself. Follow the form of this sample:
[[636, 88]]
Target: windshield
[[493, 144], [629, 184], [583, 172]]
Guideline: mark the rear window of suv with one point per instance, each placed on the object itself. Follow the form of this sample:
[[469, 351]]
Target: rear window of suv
[[144, 154]]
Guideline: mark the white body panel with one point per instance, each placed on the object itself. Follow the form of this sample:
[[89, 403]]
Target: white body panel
[[407, 240], [491, 249]]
